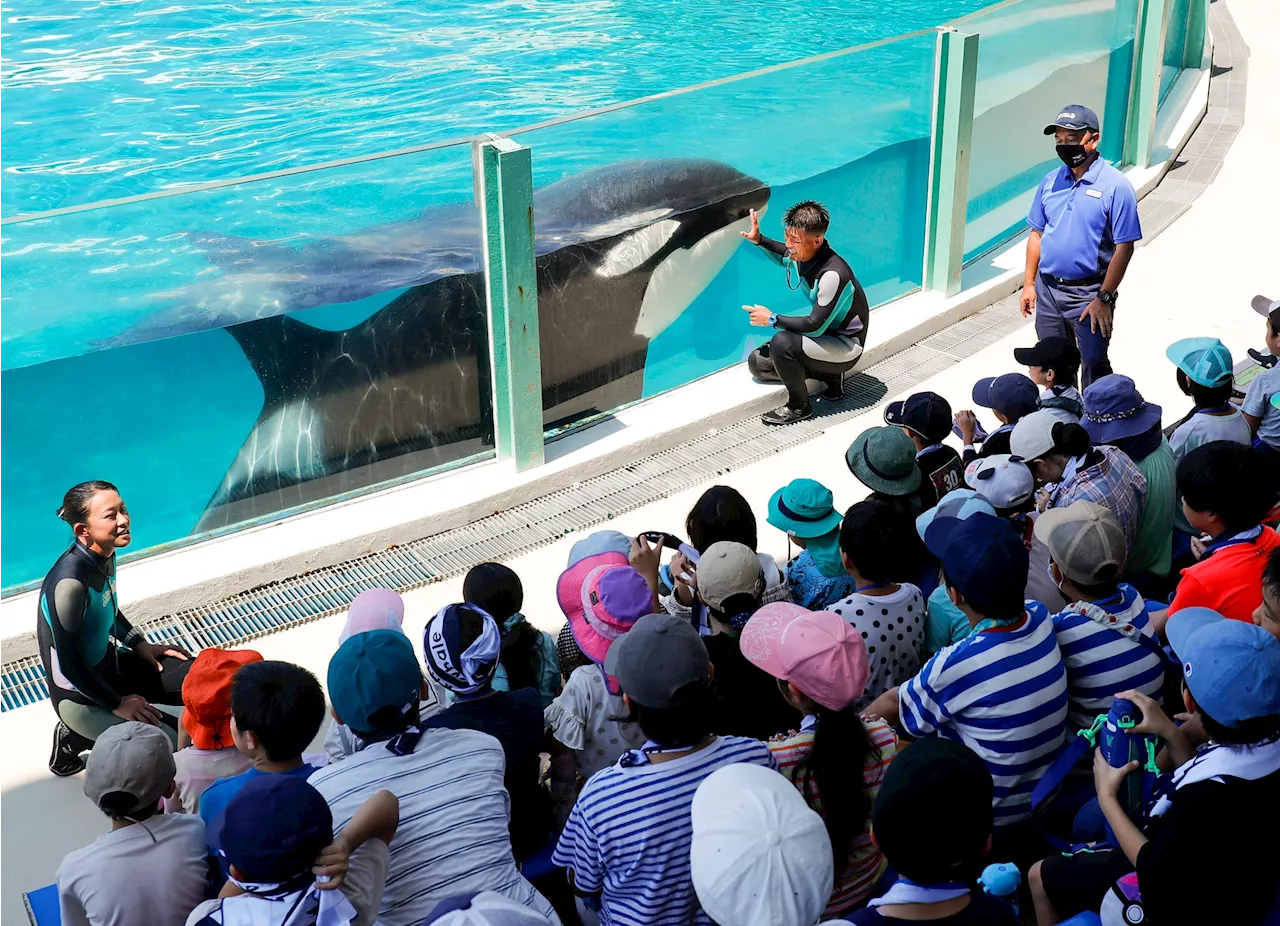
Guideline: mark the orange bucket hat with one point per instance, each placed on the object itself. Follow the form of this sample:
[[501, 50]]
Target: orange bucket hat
[[206, 695]]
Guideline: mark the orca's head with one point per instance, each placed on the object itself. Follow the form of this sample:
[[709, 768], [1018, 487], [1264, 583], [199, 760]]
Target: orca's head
[[678, 220]]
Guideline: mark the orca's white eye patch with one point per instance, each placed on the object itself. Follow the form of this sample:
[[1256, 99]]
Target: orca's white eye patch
[[636, 248]]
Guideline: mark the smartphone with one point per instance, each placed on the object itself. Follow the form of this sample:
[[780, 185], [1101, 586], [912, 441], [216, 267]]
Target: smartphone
[[669, 541]]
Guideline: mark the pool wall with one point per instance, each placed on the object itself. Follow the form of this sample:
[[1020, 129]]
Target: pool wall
[[246, 350]]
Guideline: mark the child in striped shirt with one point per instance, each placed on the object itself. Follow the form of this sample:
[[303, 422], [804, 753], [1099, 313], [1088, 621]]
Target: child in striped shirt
[[1104, 633], [628, 838], [1002, 691], [821, 664]]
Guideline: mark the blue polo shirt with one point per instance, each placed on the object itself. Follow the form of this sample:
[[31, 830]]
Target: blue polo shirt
[[1083, 220]]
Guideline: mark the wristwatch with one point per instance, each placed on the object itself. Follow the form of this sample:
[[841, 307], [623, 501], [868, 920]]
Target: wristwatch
[[1106, 298], [773, 319]]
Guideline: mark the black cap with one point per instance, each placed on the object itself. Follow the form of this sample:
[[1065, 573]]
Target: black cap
[[933, 814], [926, 413], [1054, 353], [1075, 117]]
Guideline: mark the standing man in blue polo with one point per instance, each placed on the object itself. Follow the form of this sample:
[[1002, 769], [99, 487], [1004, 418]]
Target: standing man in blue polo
[[1084, 223]]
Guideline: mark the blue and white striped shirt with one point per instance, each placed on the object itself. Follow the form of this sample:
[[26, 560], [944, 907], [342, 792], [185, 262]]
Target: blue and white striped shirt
[[454, 811], [1004, 695], [630, 832], [1102, 660]]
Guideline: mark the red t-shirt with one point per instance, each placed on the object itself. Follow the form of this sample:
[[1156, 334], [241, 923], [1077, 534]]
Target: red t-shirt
[[1229, 581]]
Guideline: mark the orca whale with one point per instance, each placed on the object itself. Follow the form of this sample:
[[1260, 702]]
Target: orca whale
[[621, 252]]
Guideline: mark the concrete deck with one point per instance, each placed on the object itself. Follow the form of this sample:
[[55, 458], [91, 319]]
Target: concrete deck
[[1216, 249]]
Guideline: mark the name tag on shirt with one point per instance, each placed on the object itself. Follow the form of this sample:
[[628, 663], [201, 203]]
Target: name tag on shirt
[[1096, 194]]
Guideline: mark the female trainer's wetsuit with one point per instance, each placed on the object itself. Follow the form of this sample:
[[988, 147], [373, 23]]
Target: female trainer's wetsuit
[[837, 309], [86, 643]]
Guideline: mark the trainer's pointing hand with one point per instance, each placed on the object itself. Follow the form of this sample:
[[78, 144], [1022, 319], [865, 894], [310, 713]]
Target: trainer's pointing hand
[[759, 315], [753, 235]]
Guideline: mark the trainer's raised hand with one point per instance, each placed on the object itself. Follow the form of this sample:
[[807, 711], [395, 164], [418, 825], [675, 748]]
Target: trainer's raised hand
[[753, 234]]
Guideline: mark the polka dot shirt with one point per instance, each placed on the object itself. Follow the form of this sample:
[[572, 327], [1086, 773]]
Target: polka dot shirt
[[892, 626]]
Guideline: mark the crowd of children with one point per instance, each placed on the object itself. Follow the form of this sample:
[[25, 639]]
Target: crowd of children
[[850, 738]]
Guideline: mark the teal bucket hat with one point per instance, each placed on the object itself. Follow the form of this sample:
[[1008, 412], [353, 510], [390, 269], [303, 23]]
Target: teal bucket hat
[[1205, 360], [804, 508], [884, 460]]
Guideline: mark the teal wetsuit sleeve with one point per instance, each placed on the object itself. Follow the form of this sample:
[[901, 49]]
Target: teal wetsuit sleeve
[[66, 620], [818, 318]]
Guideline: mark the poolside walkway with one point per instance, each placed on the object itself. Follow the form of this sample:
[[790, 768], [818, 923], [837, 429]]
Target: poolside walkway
[[1195, 278]]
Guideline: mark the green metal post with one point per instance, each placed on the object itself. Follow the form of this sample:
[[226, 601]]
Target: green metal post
[[505, 174], [1141, 129], [955, 78], [1197, 32]]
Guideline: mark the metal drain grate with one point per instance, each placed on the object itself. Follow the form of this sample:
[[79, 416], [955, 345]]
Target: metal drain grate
[[287, 603]]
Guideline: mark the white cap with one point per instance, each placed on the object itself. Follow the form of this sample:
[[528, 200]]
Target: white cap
[[1032, 436], [760, 855], [1001, 480]]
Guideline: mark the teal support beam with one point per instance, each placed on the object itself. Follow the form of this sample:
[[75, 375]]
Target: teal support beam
[[1197, 33], [955, 78], [504, 172], [1145, 98]]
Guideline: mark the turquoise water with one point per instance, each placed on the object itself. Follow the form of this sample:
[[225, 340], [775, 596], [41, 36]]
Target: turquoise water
[[117, 359], [109, 98]]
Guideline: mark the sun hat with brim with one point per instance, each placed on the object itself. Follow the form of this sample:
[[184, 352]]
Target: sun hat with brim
[[1205, 360], [804, 508], [817, 651], [602, 596], [206, 696], [759, 855], [957, 504], [1114, 410], [1232, 668], [884, 460], [599, 542]]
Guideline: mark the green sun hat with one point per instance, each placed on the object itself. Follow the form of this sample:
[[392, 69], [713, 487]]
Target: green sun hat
[[884, 460], [804, 508]]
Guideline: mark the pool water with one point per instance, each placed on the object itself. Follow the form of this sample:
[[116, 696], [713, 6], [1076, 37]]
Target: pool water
[[214, 353], [109, 98]]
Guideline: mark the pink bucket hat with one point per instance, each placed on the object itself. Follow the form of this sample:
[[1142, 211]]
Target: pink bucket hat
[[603, 597], [817, 651], [373, 609]]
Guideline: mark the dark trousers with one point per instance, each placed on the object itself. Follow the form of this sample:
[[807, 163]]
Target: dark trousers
[[783, 360], [1058, 311]]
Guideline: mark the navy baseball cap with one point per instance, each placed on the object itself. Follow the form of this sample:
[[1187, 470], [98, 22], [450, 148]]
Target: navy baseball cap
[[1013, 395], [926, 413], [1232, 668], [1075, 117], [982, 557], [274, 828]]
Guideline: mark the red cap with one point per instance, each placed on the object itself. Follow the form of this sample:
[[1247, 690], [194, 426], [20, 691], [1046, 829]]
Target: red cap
[[206, 695]]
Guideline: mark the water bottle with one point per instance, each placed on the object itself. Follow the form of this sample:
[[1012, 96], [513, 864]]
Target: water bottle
[[1002, 880], [1120, 746]]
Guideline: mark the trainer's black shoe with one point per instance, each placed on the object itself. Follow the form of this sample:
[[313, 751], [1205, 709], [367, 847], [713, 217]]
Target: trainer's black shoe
[[65, 759], [833, 388], [1266, 361], [785, 414]]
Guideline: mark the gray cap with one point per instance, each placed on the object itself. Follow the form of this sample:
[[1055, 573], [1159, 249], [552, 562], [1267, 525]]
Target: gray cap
[[657, 657], [597, 543], [1085, 540], [132, 757], [727, 569]]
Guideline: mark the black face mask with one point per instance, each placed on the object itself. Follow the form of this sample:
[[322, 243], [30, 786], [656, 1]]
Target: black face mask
[[1073, 155]]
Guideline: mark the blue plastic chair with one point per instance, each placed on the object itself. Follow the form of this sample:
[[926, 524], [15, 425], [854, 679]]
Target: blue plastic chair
[[42, 906], [1083, 919]]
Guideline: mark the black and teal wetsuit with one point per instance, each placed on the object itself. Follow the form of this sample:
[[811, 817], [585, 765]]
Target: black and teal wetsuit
[[826, 342], [86, 642]]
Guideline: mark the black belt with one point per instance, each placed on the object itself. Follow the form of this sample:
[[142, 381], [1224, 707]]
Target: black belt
[[1089, 281]]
